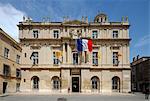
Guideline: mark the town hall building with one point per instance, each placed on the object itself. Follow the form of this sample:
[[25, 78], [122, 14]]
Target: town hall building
[[51, 62]]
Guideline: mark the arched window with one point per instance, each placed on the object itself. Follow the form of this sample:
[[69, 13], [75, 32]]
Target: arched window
[[35, 82], [116, 84], [56, 83], [95, 82]]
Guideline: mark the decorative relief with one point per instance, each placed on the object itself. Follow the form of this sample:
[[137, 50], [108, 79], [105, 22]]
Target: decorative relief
[[35, 47]]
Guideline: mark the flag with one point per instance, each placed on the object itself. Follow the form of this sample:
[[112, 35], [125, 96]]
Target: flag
[[90, 45], [84, 45], [58, 54]]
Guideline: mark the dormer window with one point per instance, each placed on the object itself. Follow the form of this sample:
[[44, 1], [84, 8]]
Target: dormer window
[[35, 33], [100, 18]]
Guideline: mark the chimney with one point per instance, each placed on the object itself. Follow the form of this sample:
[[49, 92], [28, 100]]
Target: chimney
[[126, 19], [64, 18], [137, 57], [122, 19], [86, 19], [24, 18], [82, 18], [133, 59]]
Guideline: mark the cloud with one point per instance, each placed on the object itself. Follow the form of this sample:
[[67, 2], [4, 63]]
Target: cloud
[[143, 41], [9, 18]]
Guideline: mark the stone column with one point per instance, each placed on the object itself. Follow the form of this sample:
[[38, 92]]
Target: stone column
[[65, 80], [99, 56], [106, 81], [85, 81], [90, 58], [69, 55], [128, 53], [126, 81], [64, 54]]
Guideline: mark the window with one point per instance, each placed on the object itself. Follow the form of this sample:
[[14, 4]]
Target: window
[[17, 59], [56, 34], [116, 83], [34, 58], [84, 29], [6, 70], [95, 82], [6, 52], [55, 58], [95, 58], [94, 34], [56, 83], [25, 54], [115, 59], [115, 34], [35, 82], [35, 33], [18, 73], [101, 19], [75, 58]]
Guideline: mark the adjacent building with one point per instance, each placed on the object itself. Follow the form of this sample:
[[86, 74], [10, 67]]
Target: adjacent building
[[10, 73], [50, 61], [140, 74]]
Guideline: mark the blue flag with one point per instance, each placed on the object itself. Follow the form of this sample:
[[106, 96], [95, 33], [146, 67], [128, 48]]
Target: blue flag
[[79, 45]]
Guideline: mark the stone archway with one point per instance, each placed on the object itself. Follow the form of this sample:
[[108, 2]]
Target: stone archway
[[116, 84], [35, 82], [95, 84], [55, 83]]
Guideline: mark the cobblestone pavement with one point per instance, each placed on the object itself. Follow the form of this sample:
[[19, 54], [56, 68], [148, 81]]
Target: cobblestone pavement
[[74, 97]]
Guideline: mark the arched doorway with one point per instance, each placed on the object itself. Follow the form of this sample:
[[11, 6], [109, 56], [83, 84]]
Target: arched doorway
[[35, 82], [95, 83], [55, 83], [116, 84]]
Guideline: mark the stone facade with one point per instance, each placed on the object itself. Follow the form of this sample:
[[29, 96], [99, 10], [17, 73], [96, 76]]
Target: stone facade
[[140, 66], [10, 53], [50, 61]]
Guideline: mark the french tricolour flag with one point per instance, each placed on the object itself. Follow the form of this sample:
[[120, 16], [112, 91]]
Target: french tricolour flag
[[84, 45]]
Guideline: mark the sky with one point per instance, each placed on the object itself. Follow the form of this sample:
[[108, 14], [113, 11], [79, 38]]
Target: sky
[[138, 12]]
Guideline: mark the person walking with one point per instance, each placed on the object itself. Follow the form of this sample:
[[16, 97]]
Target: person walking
[[147, 93]]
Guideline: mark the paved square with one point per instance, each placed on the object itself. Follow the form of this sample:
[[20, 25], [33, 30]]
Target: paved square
[[75, 97]]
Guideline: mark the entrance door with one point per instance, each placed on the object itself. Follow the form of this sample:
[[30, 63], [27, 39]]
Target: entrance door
[[75, 84], [4, 87]]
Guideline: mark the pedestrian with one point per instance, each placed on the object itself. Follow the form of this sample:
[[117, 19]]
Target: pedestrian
[[146, 93], [68, 89]]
